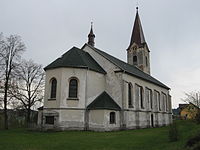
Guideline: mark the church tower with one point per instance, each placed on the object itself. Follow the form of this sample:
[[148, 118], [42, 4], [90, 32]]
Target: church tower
[[138, 51]]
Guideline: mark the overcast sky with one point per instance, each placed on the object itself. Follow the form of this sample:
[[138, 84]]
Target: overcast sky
[[172, 30]]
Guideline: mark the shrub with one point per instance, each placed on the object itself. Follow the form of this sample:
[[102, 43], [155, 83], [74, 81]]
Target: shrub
[[194, 142], [173, 132], [197, 118]]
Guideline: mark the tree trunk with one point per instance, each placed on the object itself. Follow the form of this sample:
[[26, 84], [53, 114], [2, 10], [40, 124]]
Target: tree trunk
[[29, 116], [5, 107]]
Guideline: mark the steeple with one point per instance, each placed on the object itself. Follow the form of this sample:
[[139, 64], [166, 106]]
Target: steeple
[[138, 52], [91, 36], [137, 33]]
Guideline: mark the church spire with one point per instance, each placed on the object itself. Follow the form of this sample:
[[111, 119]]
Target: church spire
[[91, 36], [138, 51], [137, 33]]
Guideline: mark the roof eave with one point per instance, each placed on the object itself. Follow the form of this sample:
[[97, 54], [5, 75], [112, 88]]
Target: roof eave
[[78, 67]]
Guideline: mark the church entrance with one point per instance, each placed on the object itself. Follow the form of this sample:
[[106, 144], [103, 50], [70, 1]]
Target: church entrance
[[152, 121]]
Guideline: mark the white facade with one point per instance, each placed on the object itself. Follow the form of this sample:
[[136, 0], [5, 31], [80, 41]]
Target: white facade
[[72, 114]]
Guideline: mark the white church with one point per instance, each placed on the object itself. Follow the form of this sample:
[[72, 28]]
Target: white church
[[89, 89]]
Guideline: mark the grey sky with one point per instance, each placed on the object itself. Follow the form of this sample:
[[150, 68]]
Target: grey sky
[[171, 27]]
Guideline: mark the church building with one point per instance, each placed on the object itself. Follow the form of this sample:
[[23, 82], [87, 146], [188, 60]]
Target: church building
[[88, 89]]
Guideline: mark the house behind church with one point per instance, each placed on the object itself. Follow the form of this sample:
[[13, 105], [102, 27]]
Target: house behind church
[[89, 89]]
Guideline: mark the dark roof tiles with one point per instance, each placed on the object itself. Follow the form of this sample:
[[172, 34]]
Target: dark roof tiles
[[137, 33], [103, 101], [129, 69], [76, 58]]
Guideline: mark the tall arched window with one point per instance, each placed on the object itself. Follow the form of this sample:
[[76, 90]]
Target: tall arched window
[[53, 88], [73, 88], [130, 95], [135, 60], [112, 118], [141, 96]]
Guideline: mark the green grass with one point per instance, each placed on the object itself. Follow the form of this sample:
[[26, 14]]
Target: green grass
[[143, 139]]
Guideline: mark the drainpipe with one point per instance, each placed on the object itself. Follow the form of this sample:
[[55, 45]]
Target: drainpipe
[[123, 124], [86, 112]]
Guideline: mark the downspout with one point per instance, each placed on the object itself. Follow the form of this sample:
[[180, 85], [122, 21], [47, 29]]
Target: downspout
[[86, 112], [123, 124]]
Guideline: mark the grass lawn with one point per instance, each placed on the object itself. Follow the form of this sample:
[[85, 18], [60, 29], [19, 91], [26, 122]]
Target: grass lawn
[[143, 139]]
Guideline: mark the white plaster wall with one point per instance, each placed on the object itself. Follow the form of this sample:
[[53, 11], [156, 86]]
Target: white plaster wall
[[68, 73], [136, 104], [99, 120], [50, 103], [73, 119], [107, 124], [144, 84], [143, 119], [95, 85], [131, 120], [90, 85], [113, 82], [96, 119]]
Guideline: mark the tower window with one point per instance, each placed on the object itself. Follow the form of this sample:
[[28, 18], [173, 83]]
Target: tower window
[[53, 88], [73, 88], [146, 61], [135, 60], [112, 118]]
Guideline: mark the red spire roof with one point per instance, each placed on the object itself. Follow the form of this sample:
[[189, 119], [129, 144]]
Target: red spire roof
[[137, 34]]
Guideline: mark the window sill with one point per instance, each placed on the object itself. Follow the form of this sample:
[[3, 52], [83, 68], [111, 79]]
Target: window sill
[[113, 123], [72, 99], [51, 99]]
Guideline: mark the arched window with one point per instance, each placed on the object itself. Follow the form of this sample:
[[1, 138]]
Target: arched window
[[130, 95], [141, 96], [73, 88], [151, 99], [53, 88], [112, 118], [148, 98], [157, 100], [135, 60]]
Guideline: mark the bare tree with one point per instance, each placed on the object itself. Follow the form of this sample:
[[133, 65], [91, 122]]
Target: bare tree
[[192, 97], [29, 85], [11, 49]]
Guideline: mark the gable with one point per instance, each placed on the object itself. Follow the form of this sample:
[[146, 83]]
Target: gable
[[103, 101]]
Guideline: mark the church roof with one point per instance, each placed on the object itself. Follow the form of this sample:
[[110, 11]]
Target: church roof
[[129, 69], [137, 33], [76, 58], [103, 101]]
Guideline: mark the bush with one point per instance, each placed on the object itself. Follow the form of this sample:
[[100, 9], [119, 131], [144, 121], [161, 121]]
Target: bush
[[194, 143], [173, 132], [197, 118]]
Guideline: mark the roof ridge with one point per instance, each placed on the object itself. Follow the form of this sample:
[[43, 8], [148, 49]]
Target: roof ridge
[[124, 66]]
